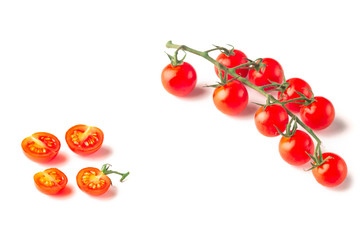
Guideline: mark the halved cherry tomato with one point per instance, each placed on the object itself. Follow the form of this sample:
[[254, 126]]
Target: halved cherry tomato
[[272, 72], [332, 172], [267, 120], [295, 85], [232, 98], [294, 149], [41, 147], [50, 181], [83, 139], [232, 61], [93, 181]]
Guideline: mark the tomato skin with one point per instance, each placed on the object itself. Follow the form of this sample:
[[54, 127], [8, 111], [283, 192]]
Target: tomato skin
[[331, 173], [232, 98], [231, 61], [272, 71], [51, 181], [319, 114], [41, 147], [293, 150], [83, 139], [295, 85], [92, 181], [266, 119], [179, 80]]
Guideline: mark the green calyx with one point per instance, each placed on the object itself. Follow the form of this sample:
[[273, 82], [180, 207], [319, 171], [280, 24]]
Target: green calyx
[[106, 171]]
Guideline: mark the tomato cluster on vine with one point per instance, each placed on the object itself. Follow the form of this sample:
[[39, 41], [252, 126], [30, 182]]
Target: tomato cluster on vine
[[293, 105]]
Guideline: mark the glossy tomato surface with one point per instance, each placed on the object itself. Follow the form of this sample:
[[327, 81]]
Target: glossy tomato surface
[[333, 172], [295, 85], [179, 80], [232, 98], [319, 114], [41, 147], [51, 181], [83, 139], [272, 71], [93, 181], [294, 149], [231, 61], [267, 120]]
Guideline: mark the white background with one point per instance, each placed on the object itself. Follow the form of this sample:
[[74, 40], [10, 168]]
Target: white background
[[195, 173]]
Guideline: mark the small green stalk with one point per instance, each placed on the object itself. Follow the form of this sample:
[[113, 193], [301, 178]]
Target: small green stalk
[[106, 171]]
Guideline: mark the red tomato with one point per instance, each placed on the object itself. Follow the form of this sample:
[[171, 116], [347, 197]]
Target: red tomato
[[51, 181], [319, 114], [272, 71], [332, 172], [93, 181], [295, 85], [266, 120], [83, 139], [232, 98], [231, 61], [41, 147], [293, 150], [179, 80]]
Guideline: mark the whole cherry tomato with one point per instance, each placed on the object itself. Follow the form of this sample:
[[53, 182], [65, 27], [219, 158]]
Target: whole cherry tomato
[[332, 172], [50, 181], [179, 80], [238, 58], [232, 98], [41, 147], [319, 114], [272, 71], [83, 139], [295, 85], [267, 120], [294, 149]]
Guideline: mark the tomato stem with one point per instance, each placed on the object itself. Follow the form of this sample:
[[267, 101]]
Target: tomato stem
[[258, 65], [106, 171]]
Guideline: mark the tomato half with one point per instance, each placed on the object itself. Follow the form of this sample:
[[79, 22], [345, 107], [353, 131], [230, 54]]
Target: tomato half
[[83, 139], [93, 181], [272, 71], [266, 120], [231, 61], [295, 85], [319, 114], [41, 147], [332, 172], [179, 80], [293, 149], [232, 98], [51, 181]]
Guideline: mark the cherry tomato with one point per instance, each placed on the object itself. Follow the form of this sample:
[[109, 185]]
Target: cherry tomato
[[293, 149], [332, 172], [319, 114], [51, 181], [295, 85], [272, 71], [179, 80], [93, 181], [232, 98], [41, 147], [231, 61], [83, 139], [266, 120]]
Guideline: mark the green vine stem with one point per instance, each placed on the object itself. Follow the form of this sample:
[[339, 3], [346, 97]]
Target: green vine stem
[[257, 64], [106, 171]]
